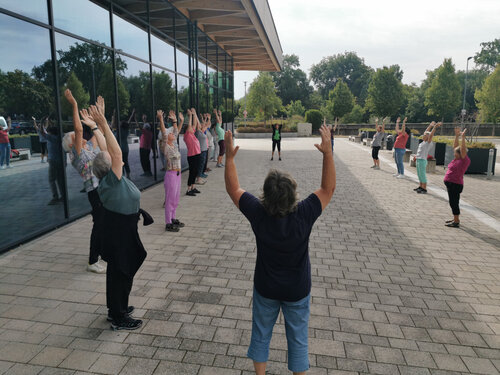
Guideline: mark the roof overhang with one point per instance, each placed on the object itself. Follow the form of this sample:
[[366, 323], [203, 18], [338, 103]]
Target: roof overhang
[[245, 29]]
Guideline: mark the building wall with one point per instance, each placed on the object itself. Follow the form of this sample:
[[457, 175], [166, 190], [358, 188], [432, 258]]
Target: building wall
[[137, 63]]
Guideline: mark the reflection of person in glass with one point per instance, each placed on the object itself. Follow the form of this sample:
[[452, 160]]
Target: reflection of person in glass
[[145, 145], [82, 154], [41, 137], [172, 179], [56, 163], [122, 246], [123, 139], [4, 143]]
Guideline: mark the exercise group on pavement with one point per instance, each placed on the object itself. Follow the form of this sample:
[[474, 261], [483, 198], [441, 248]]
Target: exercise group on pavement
[[281, 224]]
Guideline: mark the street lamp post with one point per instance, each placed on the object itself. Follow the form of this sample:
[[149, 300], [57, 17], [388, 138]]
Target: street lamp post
[[245, 103], [465, 91]]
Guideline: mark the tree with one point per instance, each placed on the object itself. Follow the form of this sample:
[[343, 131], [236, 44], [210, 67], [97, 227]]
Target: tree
[[262, 99], [489, 56], [348, 67], [292, 82], [443, 96], [356, 116], [314, 117], [385, 93], [341, 100], [416, 111], [106, 88], [488, 97], [316, 101], [82, 97], [295, 108]]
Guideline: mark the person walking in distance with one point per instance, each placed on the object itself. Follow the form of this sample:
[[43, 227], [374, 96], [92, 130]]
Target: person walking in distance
[[282, 278], [145, 143], [82, 155], [454, 177], [220, 136], [400, 148], [378, 137], [276, 138], [56, 163], [41, 136], [421, 157]]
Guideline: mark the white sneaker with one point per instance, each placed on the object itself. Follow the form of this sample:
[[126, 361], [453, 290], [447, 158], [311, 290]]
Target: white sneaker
[[377, 167], [395, 175], [401, 176], [3, 167], [96, 268], [10, 166]]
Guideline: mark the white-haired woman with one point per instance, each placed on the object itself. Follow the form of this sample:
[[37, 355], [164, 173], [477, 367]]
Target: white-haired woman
[[82, 154], [421, 157], [123, 249]]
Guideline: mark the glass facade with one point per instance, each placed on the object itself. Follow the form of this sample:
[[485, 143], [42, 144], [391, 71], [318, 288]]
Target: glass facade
[[138, 60]]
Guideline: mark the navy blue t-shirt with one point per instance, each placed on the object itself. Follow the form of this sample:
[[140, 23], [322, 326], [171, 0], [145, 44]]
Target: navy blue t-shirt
[[283, 270]]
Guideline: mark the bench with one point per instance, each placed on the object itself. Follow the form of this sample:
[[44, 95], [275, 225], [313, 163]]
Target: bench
[[357, 139], [24, 153], [431, 164]]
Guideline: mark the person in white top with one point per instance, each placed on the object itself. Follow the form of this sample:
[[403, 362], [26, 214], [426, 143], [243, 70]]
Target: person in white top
[[422, 154]]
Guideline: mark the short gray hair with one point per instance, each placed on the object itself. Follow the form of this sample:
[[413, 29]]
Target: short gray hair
[[101, 165], [67, 141], [279, 197]]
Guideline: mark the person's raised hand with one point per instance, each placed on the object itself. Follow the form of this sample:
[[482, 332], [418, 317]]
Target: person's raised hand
[[69, 97], [100, 104], [181, 117], [144, 118], [398, 120], [406, 119], [438, 124], [87, 119], [326, 145], [231, 151], [33, 118], [97, 115], [159, 114], [462, 133], [457, 131], [220, 114]]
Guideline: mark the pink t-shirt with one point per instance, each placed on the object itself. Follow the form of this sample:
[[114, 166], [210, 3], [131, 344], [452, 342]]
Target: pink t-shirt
[[146, 138], [192, 143], [456, 170], [401, 140], [4, 136]]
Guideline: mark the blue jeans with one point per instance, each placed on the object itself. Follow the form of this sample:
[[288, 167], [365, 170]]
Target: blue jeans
[[333, 141], [399, 153], [5, 153], [264, 314], [203, 158]]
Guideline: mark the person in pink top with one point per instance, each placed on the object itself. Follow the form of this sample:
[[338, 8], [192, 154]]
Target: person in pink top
[[454, 177], [194, 152], [400, 148], [145, 145]]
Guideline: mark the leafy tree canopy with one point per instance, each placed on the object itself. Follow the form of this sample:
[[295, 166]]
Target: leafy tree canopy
[[295, 108], [488, 97], [385, 93], [292, 82], [341, 100], [262, 99], [489, 56]]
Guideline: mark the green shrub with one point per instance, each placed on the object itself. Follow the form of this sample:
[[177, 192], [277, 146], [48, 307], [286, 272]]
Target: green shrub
[[486, 145], [227, 116], [22, 135], [414, 132], [314, 117], [367, 129]]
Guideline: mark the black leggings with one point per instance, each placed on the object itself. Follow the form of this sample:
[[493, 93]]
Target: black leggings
[[194, 162], [277, 143], [375, 150], [145, 162], [454, 191], [118, 287], [95, 237]]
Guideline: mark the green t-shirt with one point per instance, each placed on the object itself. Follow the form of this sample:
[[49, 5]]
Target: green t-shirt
[[220, 132], [277, 135], [120, 196]]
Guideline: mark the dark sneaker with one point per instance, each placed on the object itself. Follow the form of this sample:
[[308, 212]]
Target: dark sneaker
[[127, 324], [449, 221], [422, 191], [178, 223], [279, 159], [453, 225], [191, 193], [196, 191], [130, 310], [171, 228], [417, 189], [272, 159]]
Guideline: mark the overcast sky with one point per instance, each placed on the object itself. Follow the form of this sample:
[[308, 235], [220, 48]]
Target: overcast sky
[[417, 35]]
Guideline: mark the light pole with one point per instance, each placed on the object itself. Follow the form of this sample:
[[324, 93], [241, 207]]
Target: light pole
[[245, 103], [465, 91]]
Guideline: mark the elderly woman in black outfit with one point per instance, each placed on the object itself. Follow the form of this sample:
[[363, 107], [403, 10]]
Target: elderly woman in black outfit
[[123, 249]]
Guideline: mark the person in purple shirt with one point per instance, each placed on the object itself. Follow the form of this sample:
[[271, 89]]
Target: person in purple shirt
[[282, 277], [454, 177]]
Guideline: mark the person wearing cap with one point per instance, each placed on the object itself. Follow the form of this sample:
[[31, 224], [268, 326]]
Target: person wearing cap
[[422, 154]]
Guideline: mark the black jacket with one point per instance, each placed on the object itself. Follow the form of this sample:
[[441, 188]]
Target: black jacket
[[121, 244], [279, 131]]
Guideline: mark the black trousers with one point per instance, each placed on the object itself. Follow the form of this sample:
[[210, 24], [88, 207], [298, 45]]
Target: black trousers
[[95, 236], [454, 191], [375, 150], [145, 162], [126, 166], [194, 162], [118, 287], [277, 143]]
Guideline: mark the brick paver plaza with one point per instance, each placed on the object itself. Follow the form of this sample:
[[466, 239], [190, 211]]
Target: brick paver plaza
[[394, 291]]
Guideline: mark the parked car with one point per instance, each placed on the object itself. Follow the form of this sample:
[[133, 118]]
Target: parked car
[[22, 128]]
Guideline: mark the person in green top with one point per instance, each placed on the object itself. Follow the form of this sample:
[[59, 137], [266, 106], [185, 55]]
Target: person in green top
[[220, 136], [276, 139]]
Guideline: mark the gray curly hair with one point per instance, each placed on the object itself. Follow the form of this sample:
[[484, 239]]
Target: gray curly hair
[[101, 165], [279, 196]]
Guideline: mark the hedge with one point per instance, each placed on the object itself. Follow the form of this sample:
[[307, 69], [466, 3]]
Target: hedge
[[314, 117]]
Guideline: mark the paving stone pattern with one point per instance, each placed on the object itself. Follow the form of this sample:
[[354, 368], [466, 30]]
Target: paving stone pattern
[[394, 291]]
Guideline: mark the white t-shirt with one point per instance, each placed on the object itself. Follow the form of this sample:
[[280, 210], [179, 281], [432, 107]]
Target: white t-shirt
[[423, 150], [3, 123]]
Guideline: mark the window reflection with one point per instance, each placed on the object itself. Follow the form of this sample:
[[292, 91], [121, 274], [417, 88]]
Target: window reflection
[[129, 38], [162, 53], [182, 62], [202, 70], [32, 193], [36, 9], [75, 16], [183, 94]]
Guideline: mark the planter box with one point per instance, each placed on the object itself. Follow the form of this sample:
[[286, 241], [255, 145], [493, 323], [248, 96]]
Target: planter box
[[304, 129], [21, 142], [449, 155], [35, 144], [439, 152], [479, 160], [414, 142]]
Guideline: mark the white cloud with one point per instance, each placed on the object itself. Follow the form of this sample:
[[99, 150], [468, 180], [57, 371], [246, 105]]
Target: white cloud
[[417, 35]]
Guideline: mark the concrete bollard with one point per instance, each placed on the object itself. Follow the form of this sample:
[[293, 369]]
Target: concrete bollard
[[490, 163]]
